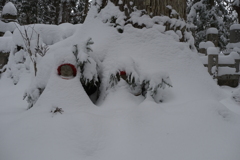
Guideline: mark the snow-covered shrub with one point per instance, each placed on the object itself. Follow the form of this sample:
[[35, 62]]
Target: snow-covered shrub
[[88, 67], [32, 95], [115, 69], [18, 62], [154, 84], [113, 16], [138, 83]]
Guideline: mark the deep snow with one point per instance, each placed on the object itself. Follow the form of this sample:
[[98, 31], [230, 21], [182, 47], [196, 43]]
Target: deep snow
[[197, 119]]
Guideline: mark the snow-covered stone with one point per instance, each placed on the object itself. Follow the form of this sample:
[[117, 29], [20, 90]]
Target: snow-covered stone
[[7, 34], [206, 45], [235, 55], [212, 31], [10, 9], [235, 27], [226, 59], [213, 51], [11, 26], [226, 71]]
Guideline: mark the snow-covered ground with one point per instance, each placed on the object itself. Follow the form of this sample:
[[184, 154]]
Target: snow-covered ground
[[197, 120]]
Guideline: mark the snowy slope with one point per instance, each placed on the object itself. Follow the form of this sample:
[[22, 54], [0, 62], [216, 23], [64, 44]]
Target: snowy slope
[[191, 124]]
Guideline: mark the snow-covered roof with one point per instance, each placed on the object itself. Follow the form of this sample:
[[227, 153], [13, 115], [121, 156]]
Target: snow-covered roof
[[212, 31], [9, 8]]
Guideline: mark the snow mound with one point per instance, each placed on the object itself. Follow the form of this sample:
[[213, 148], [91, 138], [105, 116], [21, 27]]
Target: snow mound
[[191, 122]]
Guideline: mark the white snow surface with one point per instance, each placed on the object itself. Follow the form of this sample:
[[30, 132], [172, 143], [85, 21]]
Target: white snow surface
[[6, 44], [206, 45], [193, 122], [8, 26], [212, 31], [229, 59], [235, 55], [9, 8], [213, 51], [226, 70], [235, 26], [50, 34]]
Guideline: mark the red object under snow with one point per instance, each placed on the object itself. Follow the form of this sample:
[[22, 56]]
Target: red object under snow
[[122, 73], [72, 66]]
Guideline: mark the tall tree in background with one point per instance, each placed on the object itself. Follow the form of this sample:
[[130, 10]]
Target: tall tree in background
[[50, 11], [152, 7], [2, 3], [233, 5], [210, 13]]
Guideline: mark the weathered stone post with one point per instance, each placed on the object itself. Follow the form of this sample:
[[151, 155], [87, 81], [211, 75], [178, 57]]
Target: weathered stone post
[[212, 61], [212, 35], [202, 48], [3, 59], [9, 13], [235, 38], [235, 33]]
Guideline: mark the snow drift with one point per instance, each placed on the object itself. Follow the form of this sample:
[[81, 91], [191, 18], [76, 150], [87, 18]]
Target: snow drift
[[191, 123]]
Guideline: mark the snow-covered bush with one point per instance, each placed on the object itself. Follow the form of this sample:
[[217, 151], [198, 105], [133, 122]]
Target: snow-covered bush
[[116, 70], [88, 68], [180, 30], [125, 68], [154, 84]]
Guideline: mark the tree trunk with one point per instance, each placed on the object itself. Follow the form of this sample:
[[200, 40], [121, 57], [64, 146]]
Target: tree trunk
[[237, 9], [56, 4], [85, 9]]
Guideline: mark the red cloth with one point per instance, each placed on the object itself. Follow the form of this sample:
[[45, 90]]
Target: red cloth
[[122, 73], [72, 66]]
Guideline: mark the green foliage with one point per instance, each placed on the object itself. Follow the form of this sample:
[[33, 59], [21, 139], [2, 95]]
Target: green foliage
[[153, 89], [146, 85]]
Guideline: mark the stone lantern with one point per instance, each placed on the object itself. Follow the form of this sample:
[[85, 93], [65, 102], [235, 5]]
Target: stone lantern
[[9, 13], [235, 33], [212, 35]]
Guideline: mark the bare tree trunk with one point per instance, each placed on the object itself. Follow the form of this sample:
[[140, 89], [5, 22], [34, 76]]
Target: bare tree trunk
[[3, 2], [237, 9], [57, 11], [85, 9], [64, 11]]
